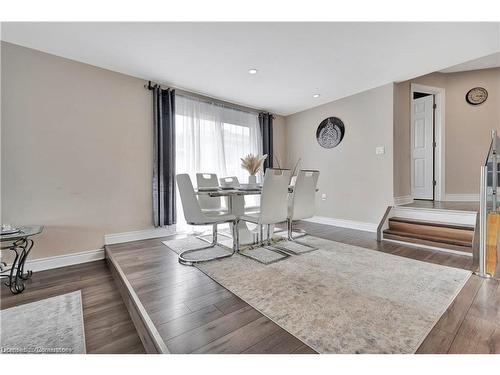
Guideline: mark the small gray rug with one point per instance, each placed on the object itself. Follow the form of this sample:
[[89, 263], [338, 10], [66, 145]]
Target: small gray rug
[[343, 298], [52, 325]]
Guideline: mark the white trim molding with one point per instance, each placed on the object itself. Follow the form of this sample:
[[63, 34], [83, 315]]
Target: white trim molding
[[422, 246], [462, 197], [434, 214], [406, 199], [343, 223], [57, 261], [114, 238]]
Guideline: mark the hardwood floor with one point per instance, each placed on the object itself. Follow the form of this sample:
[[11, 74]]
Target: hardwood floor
[[368, 240], [108, 328], [195, 314], [448, 205], [470, 325]]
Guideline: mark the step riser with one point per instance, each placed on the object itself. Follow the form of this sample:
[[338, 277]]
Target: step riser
[[431, 245], [431, 231], [420, 237], [439, 245], [444, 216]]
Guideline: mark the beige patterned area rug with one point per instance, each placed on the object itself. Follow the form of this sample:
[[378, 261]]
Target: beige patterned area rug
[[342, 298], [50, 326]]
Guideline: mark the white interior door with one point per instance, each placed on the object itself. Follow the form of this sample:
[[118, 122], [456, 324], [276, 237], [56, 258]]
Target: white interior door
[[422, 148]]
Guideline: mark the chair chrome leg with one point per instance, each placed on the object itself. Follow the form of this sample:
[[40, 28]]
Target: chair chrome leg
[[236, 237], [290, 231], [292, 239], [267, 244], [190, 262], [264, 245], [201, 236]]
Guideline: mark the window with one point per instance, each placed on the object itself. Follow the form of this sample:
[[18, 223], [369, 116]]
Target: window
[[211, 138]]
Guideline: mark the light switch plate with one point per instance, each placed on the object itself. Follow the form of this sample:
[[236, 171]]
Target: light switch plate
[[380, 150], [323, 197]]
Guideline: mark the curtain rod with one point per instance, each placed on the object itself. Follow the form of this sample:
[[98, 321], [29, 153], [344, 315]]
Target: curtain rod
[[151, 85]]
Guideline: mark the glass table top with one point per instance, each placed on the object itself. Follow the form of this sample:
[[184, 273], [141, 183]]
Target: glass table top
[[25, 231]]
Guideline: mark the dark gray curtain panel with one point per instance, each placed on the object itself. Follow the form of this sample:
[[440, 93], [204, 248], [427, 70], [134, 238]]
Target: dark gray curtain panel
[[266, 129], [164, 210]]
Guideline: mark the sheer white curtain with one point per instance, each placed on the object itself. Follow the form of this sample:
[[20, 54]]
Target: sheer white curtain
[[211, 138]]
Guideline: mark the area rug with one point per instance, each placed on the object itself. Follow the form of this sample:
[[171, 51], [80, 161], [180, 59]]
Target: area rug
[[261, 254], [342, 298], [52, 325]]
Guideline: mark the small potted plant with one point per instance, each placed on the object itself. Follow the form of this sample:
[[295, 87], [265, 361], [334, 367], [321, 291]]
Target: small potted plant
[[252, 164]]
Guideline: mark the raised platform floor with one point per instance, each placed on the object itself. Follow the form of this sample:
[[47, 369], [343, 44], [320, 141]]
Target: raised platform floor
[[191, 313], [444, 205]]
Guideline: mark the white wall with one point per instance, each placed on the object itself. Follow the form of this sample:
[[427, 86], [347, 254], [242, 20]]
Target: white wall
[[467, 128], [76, 150], [358, 183]]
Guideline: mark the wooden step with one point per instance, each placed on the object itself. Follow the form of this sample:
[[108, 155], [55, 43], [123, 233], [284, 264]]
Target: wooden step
[[429, 240], [440, 245], [433, 223], [452, 232]]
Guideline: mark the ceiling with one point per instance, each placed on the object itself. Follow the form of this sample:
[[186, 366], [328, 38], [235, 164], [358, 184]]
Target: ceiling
[[486, 62], [294, 60]]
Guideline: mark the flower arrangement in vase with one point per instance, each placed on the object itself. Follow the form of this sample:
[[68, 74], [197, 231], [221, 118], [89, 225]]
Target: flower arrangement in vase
[[252, 164]]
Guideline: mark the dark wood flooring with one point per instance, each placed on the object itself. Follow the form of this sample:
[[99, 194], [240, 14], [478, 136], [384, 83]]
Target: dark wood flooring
[[470, 325], [195, 314], [108, 327], [448, 205]]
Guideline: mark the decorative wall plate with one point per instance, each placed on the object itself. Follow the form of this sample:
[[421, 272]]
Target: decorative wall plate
[[330, 132], [477, 95]]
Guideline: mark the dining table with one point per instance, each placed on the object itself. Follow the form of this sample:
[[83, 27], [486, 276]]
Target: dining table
[[236, 205]]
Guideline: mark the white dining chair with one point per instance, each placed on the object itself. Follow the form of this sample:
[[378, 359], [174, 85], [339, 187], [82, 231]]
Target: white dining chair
[[273, 204], [233, 182], [195, 216], [207, 203], [302, 202], [227, 182]]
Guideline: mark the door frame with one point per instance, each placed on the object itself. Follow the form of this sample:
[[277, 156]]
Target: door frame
[[439, 126]]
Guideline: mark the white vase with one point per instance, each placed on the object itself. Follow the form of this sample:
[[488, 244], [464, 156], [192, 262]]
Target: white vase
[[252, 179]]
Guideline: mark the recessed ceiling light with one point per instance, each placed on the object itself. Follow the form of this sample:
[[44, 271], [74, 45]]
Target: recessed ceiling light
[[316, 96], [252, 71]]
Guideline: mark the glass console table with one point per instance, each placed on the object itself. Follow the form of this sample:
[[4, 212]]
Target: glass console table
[[20, 244]]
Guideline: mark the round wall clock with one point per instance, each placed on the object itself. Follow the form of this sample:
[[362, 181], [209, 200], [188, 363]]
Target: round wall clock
[[330, 132], [477, 95]]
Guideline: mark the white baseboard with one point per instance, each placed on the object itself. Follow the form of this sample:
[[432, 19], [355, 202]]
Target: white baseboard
[[64, 260], [110, 239], [406, 199], [92, 255], [359, 225], [462, 197]]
